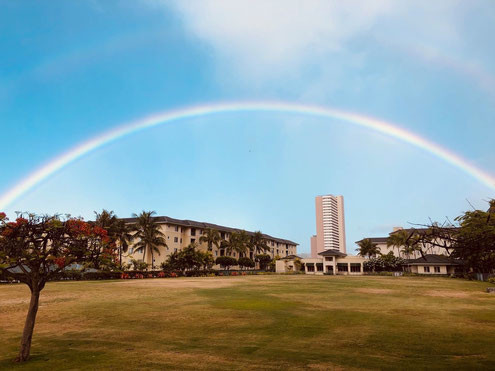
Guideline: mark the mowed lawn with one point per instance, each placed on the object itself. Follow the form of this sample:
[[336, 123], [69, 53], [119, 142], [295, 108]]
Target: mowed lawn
[[266, 322]]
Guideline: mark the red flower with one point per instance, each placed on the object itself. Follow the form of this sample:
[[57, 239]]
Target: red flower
[[21, 221], [100, 231], [60, 261], [3, 216], [7, 232]]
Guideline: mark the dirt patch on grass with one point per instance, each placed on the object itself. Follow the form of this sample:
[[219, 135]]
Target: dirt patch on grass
[[181, 283], [374, 291], [447, 294]]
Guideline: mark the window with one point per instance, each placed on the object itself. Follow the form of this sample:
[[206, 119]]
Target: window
[[426, 269], [181, 240], [175, 250], [329, 258], [193, 240], [342, 267], [177, 228], [222, 235], [176, 239], [319, 267], [193, 231], [437, 269], [355, 267], [216, 253], [311, 268]]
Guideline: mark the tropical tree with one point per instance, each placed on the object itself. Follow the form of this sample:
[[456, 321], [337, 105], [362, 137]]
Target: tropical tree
[[124, 238], [212, 238], [150, 237], [471, 239], [245, 262], [258, 244], [238, 242], [368, 248], [226, 261], [35, 249], [187, 259], [264, 260], [398, 240]]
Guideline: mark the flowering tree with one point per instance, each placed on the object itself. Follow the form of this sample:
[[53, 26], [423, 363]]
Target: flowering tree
[[34, 249]]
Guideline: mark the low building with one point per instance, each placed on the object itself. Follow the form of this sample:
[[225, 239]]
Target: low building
[[331, 261], [381, 243], [180, 233], [432, 264]]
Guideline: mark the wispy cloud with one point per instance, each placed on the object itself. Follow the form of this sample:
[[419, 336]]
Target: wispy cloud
[[267, 40]]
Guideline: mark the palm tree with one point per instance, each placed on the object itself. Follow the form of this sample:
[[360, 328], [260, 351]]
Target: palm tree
[[211, 237], [149, 235], [108, 221], [398, 239], [368, 248], [124, 238], [258, 243], [238, 242]]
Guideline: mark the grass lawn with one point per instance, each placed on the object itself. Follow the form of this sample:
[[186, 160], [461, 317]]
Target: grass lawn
[[268, 322]]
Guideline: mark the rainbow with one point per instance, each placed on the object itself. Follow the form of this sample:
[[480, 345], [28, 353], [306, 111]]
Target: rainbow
[[389, 129]]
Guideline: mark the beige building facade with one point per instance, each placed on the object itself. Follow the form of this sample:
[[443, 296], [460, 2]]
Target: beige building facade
[[329, 262], [180, 233], [330, 225]]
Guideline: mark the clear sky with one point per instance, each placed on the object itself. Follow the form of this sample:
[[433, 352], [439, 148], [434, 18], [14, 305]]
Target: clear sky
[[72, 70]]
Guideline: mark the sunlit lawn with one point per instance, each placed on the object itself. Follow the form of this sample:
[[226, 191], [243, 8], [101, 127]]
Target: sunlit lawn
[[267, 322]]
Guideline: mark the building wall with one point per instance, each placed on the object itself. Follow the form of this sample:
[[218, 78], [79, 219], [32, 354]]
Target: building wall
[[420, 269], [178, 237], [330, 223], [428, 249], [314, 247]]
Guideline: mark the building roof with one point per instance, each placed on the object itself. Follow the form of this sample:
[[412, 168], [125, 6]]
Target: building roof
[[408, 230], [331, 252], [203, 225], [290, 257], [431, 259], [375, 239]]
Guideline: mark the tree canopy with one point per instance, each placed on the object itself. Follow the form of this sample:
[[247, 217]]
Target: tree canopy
[[35, 248]]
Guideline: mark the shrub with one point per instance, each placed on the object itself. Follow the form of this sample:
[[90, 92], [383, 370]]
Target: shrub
[[246, 262], [264, 260], [226, 261]]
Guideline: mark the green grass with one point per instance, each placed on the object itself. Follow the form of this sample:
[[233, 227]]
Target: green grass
[[267, 322]]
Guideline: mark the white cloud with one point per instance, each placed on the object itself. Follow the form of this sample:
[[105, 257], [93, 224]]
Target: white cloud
[[308, 41], [266, 35]]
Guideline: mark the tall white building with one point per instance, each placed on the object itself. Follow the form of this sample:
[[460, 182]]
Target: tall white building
[[330, 225]]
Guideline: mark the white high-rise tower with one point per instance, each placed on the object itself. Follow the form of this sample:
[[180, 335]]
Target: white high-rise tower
[[330, 225]]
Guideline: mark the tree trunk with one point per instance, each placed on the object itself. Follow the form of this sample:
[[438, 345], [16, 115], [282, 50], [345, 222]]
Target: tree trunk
[[152, 261], [27, 334]]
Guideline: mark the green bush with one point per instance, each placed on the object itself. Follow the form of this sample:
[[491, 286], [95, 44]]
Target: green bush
[[246, 262], [226, 261]]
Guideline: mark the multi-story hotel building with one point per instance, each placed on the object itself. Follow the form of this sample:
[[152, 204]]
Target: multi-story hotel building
[[181, 233], [330, 225]]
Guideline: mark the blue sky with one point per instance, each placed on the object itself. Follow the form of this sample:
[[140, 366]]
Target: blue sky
[[72, 70]]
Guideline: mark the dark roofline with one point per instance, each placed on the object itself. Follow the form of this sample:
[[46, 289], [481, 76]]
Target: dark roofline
[[374, 239], [203, 225], [331, 252], [290, 257]]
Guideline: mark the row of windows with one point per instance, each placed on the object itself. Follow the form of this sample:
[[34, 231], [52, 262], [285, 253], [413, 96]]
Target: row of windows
[[427, 269]]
